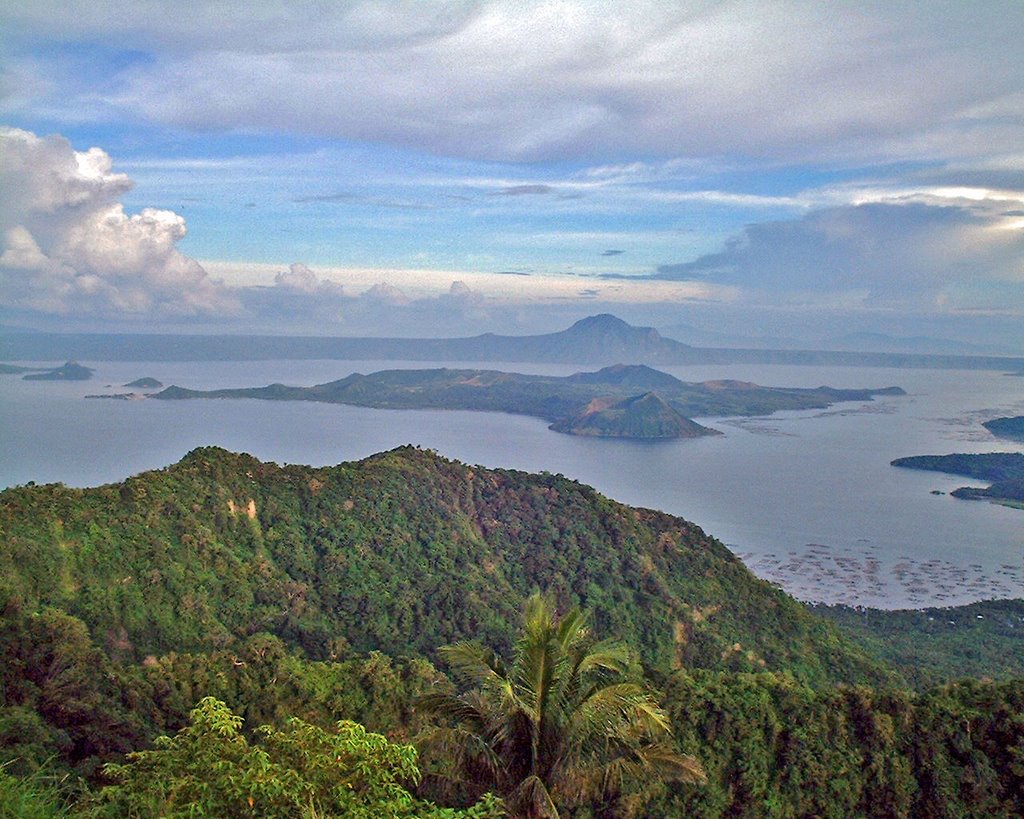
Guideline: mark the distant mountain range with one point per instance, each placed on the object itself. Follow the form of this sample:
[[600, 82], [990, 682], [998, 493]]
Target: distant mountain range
[[600, 340], [884, 343]]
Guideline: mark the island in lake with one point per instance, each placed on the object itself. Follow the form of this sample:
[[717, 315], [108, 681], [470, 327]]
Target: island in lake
[[1005, 471], [71, 371], [1010, 428], [145, 383], [621, 401], [15, 369]]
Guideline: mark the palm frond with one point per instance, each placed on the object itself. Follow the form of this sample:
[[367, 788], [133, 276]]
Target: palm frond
[[534, 672], [608, 655], [452, 706], [622, 709], [572, 629], [461, 752], [472, 663], [538, 618], [671, 766], [532, 799], [561, 723]]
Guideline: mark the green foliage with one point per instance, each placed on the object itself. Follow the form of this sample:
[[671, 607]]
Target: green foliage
[[562, 725], [775, 748], [31, 797], [59, 694], [939, 645], [400, 553], [209, 768], [321, 594]]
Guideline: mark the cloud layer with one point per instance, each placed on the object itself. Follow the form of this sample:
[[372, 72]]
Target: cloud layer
[[551, 78], [924, 251], [69, 247]]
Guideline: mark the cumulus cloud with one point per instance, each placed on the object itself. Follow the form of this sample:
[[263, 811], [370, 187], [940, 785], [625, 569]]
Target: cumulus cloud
[[68, 246], [385, 293], [553, 78], [300, 279], [386, 309], [919, 252], [301, 300]]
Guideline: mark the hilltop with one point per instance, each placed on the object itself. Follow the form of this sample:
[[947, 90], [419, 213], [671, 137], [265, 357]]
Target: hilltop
[[404, 551], [647, 416]]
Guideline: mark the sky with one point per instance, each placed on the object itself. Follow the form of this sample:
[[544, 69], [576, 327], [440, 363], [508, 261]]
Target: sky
[[763, 174]]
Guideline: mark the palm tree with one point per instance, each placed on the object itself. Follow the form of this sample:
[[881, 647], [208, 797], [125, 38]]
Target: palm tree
[[562, 724]]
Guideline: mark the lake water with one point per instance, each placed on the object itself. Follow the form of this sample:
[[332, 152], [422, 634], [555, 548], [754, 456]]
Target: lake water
[[808, 498]]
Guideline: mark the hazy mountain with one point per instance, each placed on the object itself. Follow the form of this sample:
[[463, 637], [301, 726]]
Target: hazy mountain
[[598, 340], [884, 343], [728, 337]]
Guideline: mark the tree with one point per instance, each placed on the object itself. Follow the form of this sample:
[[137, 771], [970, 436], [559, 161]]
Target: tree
[[209, 768], [561, 725]]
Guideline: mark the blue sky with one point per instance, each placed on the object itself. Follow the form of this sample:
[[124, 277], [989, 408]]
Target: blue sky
[[762, 173]]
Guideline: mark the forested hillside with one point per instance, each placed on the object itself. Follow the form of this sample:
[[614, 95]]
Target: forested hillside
[[400, 553], [325, 594]]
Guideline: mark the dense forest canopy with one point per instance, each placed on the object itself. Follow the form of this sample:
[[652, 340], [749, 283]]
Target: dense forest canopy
[[324, 594]]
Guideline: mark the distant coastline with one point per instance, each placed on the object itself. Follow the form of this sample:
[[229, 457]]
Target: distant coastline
[[597, 340], [1011, 429], [1005, 471]]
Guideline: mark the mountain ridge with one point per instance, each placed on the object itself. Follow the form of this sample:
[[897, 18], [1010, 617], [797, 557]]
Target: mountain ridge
[[401, 552], [602, 339]]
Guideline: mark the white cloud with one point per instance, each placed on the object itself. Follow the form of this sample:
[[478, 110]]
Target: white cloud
[[553, 78], [69, 247], [919, 252], [299, 278], [384, 293]]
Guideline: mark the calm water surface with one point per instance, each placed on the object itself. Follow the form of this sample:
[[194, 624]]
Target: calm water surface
[[808, 498]]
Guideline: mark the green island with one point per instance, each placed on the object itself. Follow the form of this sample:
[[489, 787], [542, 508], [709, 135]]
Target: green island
[[626, 401], [145, 383], [14, 369], [410, 636], [1010, 428], [70, 371], [1005, 470]]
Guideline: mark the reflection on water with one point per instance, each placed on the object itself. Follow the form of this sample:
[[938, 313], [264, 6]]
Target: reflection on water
[[807, 498]]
